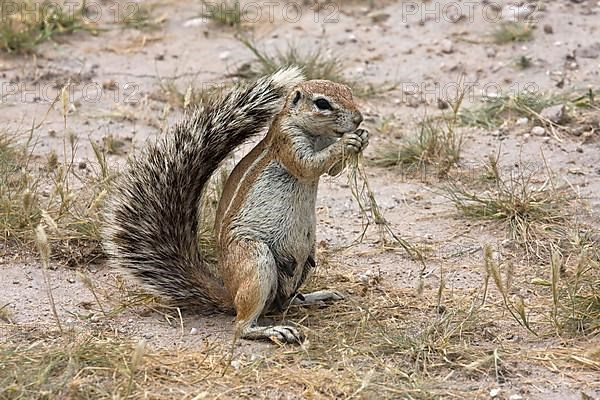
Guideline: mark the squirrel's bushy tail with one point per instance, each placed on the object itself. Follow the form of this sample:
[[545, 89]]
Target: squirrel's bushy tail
[[152, 223]]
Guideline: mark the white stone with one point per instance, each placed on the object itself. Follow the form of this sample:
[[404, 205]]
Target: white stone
[[195, 22], [538, 131], [522, 121], [447, 46], [554, 113]]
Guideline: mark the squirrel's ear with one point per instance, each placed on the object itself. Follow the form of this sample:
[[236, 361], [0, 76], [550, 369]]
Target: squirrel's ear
[[297, 97]]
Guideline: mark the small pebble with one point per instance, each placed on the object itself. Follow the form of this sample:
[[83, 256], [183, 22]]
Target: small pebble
[[554, 113], [548, 29], [193, 331], [71, 280], [192, 23], [148, 335], [538, 131], [522, 121], [579, 149], [447, 46], [578, 131], [494, 392], [515, 397]]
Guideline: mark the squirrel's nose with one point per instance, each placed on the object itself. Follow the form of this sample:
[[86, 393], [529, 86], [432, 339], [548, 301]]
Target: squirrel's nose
[[358, 118]]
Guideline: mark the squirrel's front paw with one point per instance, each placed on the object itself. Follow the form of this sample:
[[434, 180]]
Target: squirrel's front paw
[[364, 138], [356, 141]]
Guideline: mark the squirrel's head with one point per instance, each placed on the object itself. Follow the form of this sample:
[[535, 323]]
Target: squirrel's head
[[322, 107]]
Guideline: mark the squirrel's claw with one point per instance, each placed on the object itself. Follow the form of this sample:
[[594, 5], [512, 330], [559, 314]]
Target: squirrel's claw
[[318, 297], [363, 134], [356, 141], [276, 333], [286, 334]]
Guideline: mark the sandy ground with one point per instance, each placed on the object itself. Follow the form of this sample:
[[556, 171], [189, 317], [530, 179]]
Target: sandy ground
[[116, 74]]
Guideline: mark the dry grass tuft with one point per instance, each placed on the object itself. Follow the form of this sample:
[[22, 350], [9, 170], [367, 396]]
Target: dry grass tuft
[[497, 109], [534, 212], [577, 293], [512, 31], [493, 271], [573, 286], [436, 145], [25, 24], [315, 64], [567, 298], [58, 195], [68, 366]]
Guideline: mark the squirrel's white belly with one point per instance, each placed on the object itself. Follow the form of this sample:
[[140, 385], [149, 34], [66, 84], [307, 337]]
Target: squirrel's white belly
[[279, 210]]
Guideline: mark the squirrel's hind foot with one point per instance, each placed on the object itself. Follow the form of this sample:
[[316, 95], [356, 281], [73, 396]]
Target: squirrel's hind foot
[[318, 297], [276, 333]]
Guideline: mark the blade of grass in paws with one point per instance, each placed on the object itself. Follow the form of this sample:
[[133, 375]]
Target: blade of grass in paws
[[370, 210]]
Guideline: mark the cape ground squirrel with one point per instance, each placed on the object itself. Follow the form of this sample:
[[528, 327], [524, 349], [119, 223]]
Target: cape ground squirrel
[[265, 223]]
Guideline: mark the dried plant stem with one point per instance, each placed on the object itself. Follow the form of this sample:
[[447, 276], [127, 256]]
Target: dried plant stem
[[135, 362], [44, 249], [90, 285], [371, 212], [517, 309]]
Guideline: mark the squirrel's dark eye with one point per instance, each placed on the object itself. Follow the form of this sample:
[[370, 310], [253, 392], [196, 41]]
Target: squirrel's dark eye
[[323, 104]]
